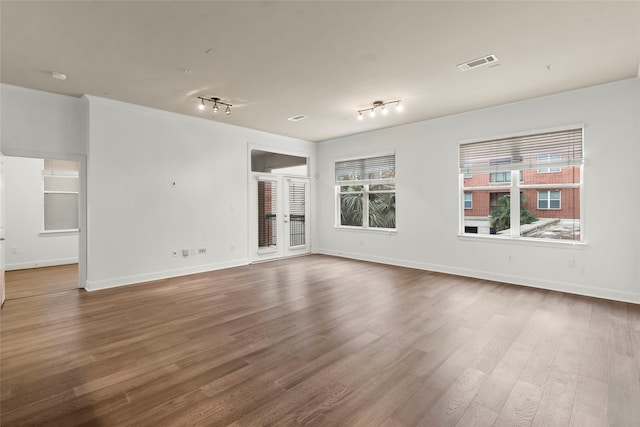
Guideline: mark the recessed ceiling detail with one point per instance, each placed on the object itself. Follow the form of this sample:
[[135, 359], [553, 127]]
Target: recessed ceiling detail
[[478, 62], [297, 118]]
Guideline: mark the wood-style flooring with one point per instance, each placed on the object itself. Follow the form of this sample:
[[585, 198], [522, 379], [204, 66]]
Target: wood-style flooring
[[38, 281], [319, 341]]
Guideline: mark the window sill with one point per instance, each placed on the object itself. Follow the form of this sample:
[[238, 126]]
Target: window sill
[[59, 232], [525, 241], [372, 230]]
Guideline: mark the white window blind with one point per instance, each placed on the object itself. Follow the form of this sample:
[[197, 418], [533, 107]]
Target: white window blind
[[368, 170], [522, 152]]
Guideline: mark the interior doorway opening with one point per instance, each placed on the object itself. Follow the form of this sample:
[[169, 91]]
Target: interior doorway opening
[[42, 221]]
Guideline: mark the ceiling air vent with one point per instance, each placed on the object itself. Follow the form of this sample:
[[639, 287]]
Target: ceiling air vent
[[478, 62], [297, 118]]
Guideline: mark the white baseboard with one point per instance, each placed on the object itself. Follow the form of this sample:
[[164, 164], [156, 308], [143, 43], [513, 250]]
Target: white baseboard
[[36, 264], [571, 288], [95, 285]]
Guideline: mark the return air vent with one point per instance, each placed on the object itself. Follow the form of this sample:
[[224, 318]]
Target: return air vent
[[297, 118], [478, 62]]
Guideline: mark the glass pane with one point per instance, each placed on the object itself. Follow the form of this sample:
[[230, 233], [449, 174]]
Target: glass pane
[[60, 211], [351, 188], [351, 209], [382, 210], [479, 204], [382, 187], [558, 210], [297, 234], [267, 208]]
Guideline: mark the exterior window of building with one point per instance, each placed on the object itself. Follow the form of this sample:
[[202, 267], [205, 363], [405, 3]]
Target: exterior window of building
[[61, 186], [544, 202], [468, 200], [549, 199], [366, 193], [548, 158]]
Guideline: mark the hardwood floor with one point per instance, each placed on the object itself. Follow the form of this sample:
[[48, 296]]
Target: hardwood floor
[[319, 341], [38, 281]]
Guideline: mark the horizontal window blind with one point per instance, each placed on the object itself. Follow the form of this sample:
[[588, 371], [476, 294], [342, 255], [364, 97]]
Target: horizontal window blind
[[549, 149], [371, 169], [61, 165]]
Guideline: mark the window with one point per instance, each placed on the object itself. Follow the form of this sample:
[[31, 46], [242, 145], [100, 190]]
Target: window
[[548, 158], [545, 200], [366, 192], [549, 199], [61, 185], [468, 200]]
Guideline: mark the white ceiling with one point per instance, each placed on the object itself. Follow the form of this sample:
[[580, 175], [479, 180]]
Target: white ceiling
[[322, 59]]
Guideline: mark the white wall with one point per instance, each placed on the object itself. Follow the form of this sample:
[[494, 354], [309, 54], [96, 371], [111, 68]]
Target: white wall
[[36, 122], [24, 220], [136, 218], [427, 196]]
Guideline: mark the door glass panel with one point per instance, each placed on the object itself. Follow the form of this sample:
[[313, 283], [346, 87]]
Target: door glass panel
[[297, 214], [267, 208]]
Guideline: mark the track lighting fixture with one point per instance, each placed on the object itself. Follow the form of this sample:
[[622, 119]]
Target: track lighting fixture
[[382, 106], [216, 103]]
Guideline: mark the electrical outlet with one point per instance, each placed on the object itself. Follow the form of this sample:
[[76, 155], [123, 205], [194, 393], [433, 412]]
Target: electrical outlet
[[193, 252], [185, 252], [14, 250]]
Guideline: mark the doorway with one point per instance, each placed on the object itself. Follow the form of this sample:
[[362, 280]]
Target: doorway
[[279, 206], [42, 219]]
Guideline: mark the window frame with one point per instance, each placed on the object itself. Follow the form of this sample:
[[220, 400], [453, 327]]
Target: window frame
[[470, 194], [516, 186], [365, 194], [551, 157], [549, 200]]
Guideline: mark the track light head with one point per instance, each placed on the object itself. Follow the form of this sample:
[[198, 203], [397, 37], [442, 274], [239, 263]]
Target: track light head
[[228, 110], [201, 106], [215, 107]]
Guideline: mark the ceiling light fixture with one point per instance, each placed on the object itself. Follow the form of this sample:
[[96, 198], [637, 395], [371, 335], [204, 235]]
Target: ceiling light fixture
[[216, 103], [379, 105]]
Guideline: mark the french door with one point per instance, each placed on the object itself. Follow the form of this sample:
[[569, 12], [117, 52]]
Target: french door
[[280, 216]]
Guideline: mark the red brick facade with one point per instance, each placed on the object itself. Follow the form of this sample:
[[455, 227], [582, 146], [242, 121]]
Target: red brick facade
[[484, 200]]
